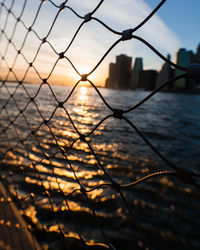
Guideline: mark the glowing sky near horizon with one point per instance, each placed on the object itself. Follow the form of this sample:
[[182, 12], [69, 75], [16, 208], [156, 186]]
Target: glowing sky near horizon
[[175, 25]]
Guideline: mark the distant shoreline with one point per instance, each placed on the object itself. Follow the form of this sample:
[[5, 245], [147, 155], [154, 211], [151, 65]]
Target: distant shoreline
[[61, 85], [177, 91]]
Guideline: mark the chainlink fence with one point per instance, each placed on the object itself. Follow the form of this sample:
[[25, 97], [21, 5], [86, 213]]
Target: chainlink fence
[[66, 186]]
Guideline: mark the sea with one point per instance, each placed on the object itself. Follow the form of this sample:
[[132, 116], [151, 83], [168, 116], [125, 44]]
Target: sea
[[43, 162]]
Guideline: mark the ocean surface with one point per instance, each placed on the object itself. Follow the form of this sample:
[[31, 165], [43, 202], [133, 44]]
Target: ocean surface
[[166, 209]]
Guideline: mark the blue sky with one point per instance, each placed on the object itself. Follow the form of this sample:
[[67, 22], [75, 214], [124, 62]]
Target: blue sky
[[182, 17], [175, 25]]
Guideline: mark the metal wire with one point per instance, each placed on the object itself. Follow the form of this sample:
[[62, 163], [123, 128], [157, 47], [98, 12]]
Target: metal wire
[[184, 175]]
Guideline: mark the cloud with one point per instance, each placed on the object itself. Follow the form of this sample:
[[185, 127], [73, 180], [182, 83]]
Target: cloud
[[124, 14]]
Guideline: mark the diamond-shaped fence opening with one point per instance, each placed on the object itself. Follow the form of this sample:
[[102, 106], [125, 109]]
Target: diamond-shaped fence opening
[[82, 166]]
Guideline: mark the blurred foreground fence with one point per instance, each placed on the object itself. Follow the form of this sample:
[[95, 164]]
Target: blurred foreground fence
[[43, 187]]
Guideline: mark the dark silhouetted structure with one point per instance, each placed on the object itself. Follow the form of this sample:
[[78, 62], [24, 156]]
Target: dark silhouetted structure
[[193, 83], [122, 76], [112, 80], [187, 58], [197, 57], [120, 73], [137, 69], [184, 57], [148, 79], [166, 73]]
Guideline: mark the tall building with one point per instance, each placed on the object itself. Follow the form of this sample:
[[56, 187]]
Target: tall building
[[122, 76], [148, 79], [137, 68], [112, 80], [197, 59], [166, 73], [123, 63], [120, 73], [193, 84], [184, 58]]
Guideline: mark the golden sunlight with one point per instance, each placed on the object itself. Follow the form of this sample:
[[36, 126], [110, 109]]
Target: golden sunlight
[[84, 69], [82, 97], [83, 90]]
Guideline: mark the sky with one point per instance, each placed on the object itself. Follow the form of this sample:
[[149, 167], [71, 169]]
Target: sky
[[175, 25]]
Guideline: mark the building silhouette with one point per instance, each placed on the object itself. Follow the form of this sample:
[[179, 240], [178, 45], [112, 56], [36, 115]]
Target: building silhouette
[[112, 80], [197, 56], [166, 73], [184, 58], [123, 76], [120, 73], [148, 79], [137, 69]]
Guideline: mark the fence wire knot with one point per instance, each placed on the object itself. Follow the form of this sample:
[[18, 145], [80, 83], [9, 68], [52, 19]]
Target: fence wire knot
[[118, 113], [84, 77], [127, 35], [82, 137], [87, 17]]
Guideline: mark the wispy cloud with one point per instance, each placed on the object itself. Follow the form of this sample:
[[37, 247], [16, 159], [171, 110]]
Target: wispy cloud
[[124, 14]]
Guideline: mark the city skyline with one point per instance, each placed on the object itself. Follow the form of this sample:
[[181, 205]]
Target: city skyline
[[123, 75]]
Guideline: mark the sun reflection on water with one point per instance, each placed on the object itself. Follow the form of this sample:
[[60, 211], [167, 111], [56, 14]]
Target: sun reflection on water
[[83, 91], [80, 115], [82, 95]]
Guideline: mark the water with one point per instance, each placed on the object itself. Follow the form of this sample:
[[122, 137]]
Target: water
[[166, 209]]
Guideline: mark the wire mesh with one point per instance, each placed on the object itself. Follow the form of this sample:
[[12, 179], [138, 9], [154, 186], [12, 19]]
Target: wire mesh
[[42, 168]]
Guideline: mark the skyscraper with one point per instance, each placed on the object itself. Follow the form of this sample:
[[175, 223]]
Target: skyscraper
[[113, 76], [120, 73], [193, 84], [184, 58], [137, 68], [148, 79], [166, 73], [198, 54], [123, 63]]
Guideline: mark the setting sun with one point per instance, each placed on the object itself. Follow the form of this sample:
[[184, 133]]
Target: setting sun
[[82, 95], [84, 70], [83, 90]]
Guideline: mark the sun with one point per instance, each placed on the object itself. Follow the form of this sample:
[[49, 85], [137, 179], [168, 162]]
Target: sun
[[82, 97], [84, 69], [83, 90]]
